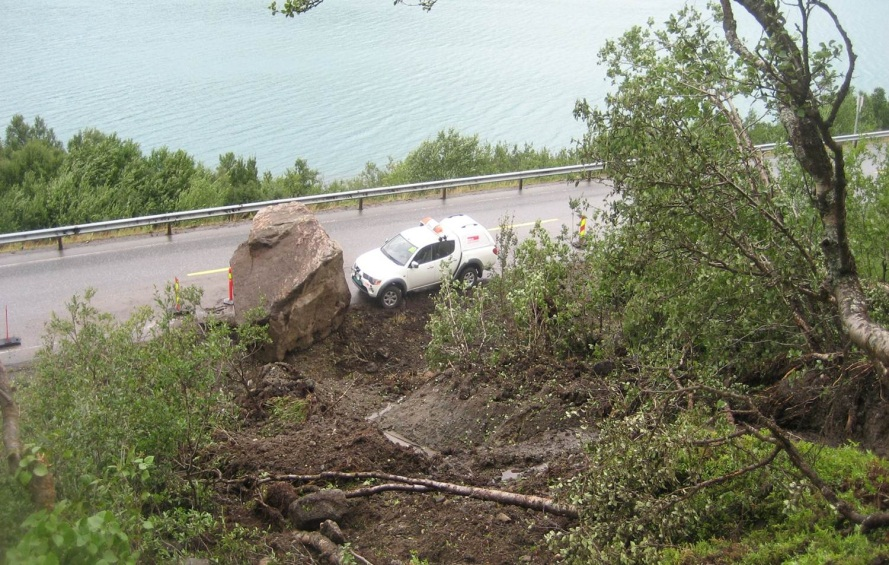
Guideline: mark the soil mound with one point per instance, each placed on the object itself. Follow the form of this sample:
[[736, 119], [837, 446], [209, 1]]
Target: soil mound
[[368, 402]]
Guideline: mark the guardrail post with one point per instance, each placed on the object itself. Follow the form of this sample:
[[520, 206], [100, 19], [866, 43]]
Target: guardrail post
[[360, 204], [60, 242], [520, 184], [444, 193], [169, 229]]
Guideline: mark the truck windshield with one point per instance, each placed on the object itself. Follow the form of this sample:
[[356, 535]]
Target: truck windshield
[[399, 250]]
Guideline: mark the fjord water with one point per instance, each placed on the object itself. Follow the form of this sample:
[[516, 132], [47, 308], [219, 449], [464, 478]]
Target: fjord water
[[353, 81]]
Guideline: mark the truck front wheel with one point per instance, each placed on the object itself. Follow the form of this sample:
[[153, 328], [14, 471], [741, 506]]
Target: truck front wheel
[[390, 297], [469, 276]]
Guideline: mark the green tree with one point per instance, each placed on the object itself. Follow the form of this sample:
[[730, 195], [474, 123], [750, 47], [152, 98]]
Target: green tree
[[449, 155], [164, 176], [798, 82], [880, 108], [30, 158], [299, 180], [205, 190], [689, 176], [19, 133], [97, 181], [721, 260], [123, 412], [868, 208], [242, 177], [698, 210]]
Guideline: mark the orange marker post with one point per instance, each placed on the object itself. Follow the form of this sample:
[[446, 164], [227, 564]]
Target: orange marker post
[[582, 226], [176, 293]]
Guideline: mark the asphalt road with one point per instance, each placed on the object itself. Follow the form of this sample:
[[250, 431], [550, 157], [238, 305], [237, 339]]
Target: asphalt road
[[128, 272]]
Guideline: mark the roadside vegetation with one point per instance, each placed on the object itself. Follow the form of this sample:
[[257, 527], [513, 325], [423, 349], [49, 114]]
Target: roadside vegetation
[[733, 312], [97, 176], [116, 418]]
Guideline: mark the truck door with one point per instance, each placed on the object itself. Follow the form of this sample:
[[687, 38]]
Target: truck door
[[429, 264]]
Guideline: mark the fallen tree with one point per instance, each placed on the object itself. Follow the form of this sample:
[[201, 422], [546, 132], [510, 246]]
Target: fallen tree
[[410, 484]]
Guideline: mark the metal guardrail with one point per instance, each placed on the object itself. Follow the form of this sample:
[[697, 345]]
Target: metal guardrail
[[359, 195], [851, 137]]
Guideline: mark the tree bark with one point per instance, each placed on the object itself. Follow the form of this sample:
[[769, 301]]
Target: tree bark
[[329, 551]]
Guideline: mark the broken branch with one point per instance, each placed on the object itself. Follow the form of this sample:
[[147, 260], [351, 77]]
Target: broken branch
[[409, 484]]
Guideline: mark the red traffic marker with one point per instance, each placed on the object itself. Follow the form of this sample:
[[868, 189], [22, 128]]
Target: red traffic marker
[[9, 341]]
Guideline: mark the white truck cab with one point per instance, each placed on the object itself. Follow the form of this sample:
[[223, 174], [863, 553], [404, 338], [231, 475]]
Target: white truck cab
[[416, 258]]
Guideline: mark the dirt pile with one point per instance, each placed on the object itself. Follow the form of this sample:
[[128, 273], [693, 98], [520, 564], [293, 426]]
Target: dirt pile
[[368, 402]]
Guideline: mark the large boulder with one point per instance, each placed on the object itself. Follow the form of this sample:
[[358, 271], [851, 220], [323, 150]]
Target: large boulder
[[291, 268]]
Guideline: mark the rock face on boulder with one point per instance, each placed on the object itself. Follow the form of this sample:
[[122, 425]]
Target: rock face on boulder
[[310, 511], [291, 268]]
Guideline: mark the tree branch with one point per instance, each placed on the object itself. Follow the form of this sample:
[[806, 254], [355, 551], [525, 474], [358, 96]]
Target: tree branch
[[409, 484], [868, 522]]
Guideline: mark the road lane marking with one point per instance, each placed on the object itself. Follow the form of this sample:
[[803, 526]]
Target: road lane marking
[[210, 272], [526, 224]]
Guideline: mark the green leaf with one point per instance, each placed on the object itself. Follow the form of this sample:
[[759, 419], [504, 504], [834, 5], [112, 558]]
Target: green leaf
[[96, 521]]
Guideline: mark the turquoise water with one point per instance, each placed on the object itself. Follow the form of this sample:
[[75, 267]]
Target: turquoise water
[[351, 82]]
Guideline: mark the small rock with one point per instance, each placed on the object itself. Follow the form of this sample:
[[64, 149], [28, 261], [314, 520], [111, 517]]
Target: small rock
[[503, 518], [332, 531], [603, 368]]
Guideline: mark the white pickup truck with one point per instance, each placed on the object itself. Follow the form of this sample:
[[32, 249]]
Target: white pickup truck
[[418, 257]]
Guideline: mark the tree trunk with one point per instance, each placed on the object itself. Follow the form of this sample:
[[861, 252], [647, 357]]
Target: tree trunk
[[42, 488], [790, 77], [10, 422]]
